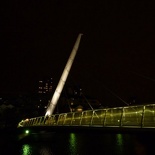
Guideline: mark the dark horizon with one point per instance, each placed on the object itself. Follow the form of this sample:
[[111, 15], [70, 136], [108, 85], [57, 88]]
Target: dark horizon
[[116, 52]]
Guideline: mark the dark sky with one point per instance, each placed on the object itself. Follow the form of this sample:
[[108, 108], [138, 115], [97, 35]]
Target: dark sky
[[116, 52]]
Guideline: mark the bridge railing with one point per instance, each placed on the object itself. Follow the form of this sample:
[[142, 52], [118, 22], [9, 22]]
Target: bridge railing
[[132, 116]]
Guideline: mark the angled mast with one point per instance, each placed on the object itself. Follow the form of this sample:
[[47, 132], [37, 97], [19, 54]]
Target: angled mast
[[63, 78]]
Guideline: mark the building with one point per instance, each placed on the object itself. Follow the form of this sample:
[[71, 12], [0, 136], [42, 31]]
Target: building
[[45, 86]]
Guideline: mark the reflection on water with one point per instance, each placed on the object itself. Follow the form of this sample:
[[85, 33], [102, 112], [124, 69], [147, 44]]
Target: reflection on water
[[119, 143], [119, 139], [72, 144], [26, 149], [33, 149], [86, 143], [45, 150]]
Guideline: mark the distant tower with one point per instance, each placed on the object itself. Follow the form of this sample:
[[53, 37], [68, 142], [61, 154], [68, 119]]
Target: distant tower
[[45, 86]]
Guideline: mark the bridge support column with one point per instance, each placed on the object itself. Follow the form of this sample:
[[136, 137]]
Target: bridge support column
[[104, 121], [81, 118], [91, 121], [64, 119], [143, 114], [72, 118], [121, 123]]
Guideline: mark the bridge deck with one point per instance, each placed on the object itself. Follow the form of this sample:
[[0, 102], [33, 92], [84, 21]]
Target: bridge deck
[[141, 116]]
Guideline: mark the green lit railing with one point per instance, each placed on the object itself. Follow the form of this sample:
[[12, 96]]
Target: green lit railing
[[132, 116]]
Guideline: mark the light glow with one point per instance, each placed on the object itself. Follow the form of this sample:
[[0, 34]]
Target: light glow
[[27, 131], [48, 113]]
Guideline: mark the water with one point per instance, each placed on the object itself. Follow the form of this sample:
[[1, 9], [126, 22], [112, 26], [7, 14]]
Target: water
[[73, 143]]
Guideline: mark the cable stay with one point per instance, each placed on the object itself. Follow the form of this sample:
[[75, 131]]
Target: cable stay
[[116, 95], [145, 77]]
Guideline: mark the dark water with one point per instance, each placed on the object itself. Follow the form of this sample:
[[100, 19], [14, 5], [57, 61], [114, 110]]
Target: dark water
[[73, 143]]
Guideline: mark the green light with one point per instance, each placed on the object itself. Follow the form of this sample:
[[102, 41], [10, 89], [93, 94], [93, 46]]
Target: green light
[[27, 131], [119, 139], [73, 144], [26, 150]]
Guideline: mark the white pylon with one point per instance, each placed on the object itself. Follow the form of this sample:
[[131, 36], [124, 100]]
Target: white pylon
[[63, 78]]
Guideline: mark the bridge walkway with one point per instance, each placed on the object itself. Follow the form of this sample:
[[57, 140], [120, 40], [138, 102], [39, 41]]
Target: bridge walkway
[[140, 116]]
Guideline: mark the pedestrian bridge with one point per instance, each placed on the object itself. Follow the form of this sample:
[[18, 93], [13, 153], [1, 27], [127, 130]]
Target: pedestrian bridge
[[141, 116]]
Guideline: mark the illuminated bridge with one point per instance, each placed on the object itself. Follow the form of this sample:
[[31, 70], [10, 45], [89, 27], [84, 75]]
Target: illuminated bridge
[[141, 116]]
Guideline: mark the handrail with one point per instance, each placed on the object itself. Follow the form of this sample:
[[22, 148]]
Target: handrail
[[142, 116]]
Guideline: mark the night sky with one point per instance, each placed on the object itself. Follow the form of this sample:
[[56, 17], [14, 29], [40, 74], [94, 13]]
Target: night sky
[[116, 56]]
